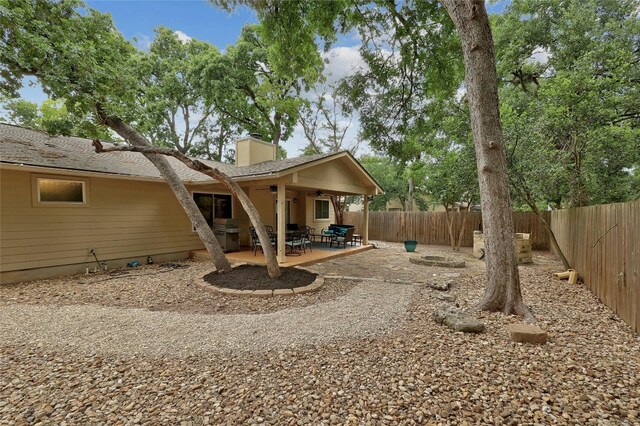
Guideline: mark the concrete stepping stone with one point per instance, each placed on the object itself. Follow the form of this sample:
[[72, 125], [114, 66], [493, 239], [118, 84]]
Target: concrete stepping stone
[[527, 333]]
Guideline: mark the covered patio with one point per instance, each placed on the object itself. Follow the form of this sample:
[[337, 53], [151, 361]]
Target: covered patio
[[315, 255], [295, 192]]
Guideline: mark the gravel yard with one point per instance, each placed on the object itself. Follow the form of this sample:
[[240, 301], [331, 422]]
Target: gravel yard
[[149, 347]]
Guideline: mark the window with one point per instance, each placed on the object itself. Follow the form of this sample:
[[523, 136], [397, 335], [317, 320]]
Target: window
[[61, 191], [322, 210], [214, 206], [222, 206]]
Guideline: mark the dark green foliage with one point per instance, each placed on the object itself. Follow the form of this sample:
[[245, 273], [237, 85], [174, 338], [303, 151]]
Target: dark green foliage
[[573, 120]]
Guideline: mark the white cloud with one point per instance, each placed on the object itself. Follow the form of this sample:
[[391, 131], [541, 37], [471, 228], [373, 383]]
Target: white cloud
[[540, 55], [462, 90], [342, 62], [182, 36]]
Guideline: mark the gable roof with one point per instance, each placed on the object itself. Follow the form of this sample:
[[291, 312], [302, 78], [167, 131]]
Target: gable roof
[[28, 147]]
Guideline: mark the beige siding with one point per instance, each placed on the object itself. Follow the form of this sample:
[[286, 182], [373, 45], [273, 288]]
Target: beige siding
[[333, 176], [124, 220], [318, 224]]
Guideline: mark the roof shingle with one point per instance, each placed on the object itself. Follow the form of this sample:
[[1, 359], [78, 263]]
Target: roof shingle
[[19, 145]]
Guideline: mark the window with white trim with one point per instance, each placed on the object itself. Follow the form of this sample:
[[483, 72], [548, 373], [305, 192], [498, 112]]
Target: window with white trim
[[61, 191], [321, 210]]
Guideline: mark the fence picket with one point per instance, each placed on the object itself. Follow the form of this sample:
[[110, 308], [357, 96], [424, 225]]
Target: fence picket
[[431, 227], [610, 267], [603, 244]]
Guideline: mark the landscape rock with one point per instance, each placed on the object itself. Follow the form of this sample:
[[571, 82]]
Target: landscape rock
[[527, 333], [440, 285], [403, 369], [458, 320], [446, 297]]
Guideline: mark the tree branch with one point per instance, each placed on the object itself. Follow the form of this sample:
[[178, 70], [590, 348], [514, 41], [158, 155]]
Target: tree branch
[[254, 216]]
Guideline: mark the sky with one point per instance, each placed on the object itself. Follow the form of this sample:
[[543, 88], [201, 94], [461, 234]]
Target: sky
[[137, 19]]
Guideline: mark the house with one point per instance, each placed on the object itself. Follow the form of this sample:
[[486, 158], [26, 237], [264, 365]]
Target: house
[[59, 200]]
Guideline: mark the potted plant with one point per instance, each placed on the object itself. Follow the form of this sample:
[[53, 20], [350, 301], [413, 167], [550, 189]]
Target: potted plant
[[410, 245]]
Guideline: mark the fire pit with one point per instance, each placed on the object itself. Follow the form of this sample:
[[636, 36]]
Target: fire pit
[[446, 262]]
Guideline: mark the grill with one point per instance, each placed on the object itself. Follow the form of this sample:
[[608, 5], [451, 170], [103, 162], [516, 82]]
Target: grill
[[226, 232]]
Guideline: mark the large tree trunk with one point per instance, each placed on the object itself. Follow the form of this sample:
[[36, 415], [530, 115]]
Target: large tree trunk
[[503, 288], [270, 254], [173, 180]]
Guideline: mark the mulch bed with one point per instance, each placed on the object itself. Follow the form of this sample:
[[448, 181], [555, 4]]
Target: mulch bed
[[252, 277]]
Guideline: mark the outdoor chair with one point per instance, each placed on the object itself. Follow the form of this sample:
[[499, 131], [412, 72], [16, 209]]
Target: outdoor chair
[[343, 239], [307, 235], [255, 241], [296, 241], [272, 234]]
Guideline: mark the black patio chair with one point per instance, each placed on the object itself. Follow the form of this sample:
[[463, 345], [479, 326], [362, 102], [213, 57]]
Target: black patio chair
[[255, 241], [297, 240], [307, 235]]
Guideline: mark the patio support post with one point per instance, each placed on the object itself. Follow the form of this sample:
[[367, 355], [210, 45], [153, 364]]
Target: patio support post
[[280, 207], [365, 233]]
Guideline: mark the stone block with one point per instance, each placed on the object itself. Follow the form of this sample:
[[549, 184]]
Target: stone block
[[527, 333], [243, 293], [314, 286], [226, 291], [262, 293], [523, 246], [283, 292]]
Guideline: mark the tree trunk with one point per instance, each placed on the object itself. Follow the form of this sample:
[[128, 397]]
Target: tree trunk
[[503, 287], [410, 201], [184, 198], [554, 242], [526, 195], [465, 214], [338, 208], [447, 215], [269, 253]]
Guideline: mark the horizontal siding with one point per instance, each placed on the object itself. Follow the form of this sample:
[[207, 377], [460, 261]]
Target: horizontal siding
[[125, 223], [21, 239], [121, 254], [124, 219], [101, 246]]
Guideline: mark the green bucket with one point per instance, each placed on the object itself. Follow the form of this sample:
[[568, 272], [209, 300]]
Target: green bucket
[[410, 245]]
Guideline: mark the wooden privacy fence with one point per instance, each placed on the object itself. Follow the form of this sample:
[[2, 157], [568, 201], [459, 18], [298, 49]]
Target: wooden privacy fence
[[431, 227], [602, 243]]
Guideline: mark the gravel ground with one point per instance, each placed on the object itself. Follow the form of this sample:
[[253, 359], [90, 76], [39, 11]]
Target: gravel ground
[[368, 309], [85, 351]]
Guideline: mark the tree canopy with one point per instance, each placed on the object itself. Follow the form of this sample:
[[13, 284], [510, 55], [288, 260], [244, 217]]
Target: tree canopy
[[570, 98], [52, 117]]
